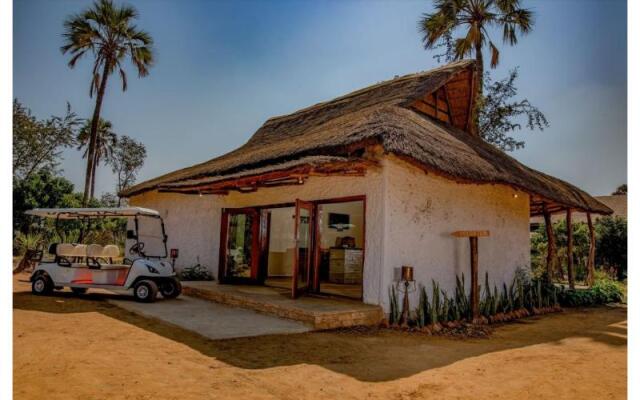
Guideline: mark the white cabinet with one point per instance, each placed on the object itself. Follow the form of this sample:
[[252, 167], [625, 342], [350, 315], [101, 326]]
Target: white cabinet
[[345, 265]]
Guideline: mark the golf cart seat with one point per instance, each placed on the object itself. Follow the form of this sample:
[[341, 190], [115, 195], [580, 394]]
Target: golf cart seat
[[66, 252], [97, 254]]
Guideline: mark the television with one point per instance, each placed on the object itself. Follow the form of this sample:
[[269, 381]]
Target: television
[[338, 221]]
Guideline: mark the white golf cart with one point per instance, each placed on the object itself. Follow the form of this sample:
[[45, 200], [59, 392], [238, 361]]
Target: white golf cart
[[84, 266]]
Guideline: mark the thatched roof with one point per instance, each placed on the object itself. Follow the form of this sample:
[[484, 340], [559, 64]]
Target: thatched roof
[[390, 114]]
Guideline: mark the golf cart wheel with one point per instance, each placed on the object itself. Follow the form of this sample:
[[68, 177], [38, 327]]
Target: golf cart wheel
[[42, 285], [171, 288], [79, 290], [145, 291]]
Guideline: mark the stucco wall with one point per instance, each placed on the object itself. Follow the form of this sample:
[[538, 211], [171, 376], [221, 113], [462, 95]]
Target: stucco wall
[[409, 219], [422, 212], [193, 222]]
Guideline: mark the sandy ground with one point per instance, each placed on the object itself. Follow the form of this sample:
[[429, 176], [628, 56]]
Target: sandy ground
[[70, 348]]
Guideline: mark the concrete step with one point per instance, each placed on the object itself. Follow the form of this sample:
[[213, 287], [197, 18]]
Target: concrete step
[[318, 312]]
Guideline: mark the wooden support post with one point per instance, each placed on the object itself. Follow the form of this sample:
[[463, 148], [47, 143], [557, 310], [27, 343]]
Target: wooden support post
[[552, 250], [572, 283], [475, 291], [591, 260], [475, 287]]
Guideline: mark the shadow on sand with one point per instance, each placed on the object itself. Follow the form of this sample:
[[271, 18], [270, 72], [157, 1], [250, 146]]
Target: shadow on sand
[[365, 355]]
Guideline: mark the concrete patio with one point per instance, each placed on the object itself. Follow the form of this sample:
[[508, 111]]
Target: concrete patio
[[215, 321], [318, 312]]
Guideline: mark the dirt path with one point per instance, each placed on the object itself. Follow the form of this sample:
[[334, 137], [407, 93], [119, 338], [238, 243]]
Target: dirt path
[[69, 348]]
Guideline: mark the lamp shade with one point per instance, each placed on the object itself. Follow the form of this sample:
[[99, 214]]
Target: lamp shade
[[407, 273]]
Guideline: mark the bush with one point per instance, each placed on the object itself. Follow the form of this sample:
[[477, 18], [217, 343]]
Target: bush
[[195, 273], [576, 298], [603, 291], [607, 291], [23, 242]]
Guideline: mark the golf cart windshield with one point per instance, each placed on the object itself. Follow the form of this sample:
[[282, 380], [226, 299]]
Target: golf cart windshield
[[150, 236]]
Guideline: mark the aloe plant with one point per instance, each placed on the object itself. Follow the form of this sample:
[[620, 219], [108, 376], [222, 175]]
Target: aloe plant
[[423, 308], [435, 302], [462, 300], [495, 301], [394, 312]]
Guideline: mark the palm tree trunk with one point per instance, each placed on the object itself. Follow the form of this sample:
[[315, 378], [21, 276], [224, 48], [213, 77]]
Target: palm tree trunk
[[478, 84], [94, 134], [93, 174]]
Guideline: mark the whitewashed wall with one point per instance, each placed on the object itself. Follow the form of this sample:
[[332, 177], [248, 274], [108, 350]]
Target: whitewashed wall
[[193, 222], [422, 210], [409, 219]]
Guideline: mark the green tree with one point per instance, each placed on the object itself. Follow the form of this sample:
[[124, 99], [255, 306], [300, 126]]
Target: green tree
[[620, 190], [108, 33], [611, 244], [106, 141], [473, 19], [500, 115], [41, 189], [38, 144], [127, 160]]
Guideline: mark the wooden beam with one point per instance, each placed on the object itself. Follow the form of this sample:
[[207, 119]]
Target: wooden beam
[[552, 250], [591, 259], [475, 289], [572, 283], [470, 234], [470, 126]]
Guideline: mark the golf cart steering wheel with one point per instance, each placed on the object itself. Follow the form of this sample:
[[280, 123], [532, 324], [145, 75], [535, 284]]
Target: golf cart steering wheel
[[137, 249]]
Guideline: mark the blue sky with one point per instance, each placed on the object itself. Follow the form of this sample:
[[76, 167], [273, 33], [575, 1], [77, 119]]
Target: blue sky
[[224, 67]]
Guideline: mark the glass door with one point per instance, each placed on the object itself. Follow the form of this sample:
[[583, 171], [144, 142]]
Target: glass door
[[303, 248], [239, 255]]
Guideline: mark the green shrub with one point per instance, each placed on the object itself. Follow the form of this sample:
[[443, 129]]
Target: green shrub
[[195, 273], [607, 291], [603, 291], [23, 242], [576, 298]]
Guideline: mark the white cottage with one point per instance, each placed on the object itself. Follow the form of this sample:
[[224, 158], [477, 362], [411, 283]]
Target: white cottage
[[336, 197]]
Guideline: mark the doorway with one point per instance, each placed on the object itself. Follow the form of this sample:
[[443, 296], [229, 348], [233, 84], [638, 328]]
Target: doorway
[[307, 246], [340, 247]]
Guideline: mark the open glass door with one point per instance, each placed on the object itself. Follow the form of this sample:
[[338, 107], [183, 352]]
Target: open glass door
[[303, 246], [239, 255]]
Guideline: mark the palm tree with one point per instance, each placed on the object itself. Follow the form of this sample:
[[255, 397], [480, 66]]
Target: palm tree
[[474, 17], [106, 142], [107, 32]]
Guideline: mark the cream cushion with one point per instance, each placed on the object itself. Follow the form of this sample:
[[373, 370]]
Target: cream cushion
[[110, 251], [64, 250], [94, 251], [79, 250]]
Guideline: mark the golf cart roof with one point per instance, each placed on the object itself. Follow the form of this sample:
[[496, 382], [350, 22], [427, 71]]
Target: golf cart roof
[[75, 213]]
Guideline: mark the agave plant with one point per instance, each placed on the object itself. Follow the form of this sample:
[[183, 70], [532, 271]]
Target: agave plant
[[423, 307], [462, 300], [444, 311], [394, 311], [23, 242]]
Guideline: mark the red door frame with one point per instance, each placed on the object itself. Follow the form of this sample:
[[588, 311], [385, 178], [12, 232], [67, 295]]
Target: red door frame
[[295, 290], [255, 245], [318, 236], [263, 245]]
